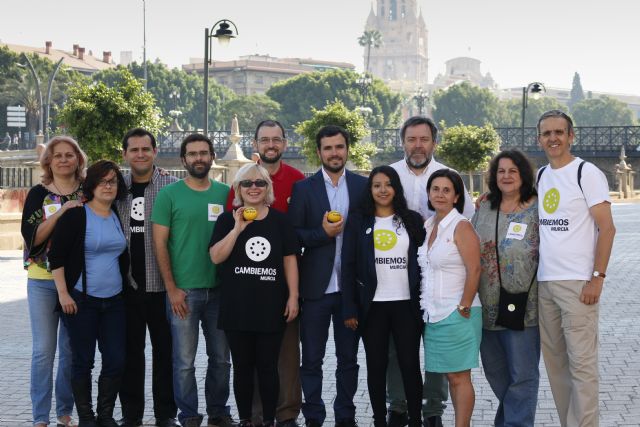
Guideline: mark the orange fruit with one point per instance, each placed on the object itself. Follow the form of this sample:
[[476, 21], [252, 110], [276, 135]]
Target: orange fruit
[[334, 216]]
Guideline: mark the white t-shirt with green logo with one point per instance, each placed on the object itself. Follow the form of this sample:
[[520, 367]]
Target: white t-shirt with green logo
[[391, 249], [568, 232]]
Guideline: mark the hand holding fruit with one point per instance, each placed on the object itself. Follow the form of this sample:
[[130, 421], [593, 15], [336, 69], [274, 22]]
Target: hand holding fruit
[[332, 223]]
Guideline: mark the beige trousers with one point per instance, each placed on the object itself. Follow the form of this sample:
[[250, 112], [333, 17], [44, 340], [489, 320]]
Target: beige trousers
[[569, 340]]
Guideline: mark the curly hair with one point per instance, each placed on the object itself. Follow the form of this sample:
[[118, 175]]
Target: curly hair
[[527, 189]]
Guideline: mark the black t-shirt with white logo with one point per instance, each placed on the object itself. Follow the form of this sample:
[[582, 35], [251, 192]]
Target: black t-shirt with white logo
[[253, 286], [136, 228]]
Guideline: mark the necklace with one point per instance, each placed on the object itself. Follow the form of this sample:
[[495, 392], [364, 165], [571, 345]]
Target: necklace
[[58, 189]]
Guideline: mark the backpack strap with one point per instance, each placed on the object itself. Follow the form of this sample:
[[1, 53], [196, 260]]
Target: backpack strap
[[580, 175], [540, 175]]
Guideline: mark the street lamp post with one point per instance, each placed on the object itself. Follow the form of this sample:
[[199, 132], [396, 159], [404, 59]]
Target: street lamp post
[[420, 99], [364, 82], [224, 34], [536, 88], [44, 108], [175, 96]]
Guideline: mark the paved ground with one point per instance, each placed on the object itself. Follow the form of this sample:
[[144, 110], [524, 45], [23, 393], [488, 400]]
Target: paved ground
[[619, 345]]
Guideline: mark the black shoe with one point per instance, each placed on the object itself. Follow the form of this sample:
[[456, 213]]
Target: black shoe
[[245, 423], [168, 422], [435, 421], [225, 421], [287, 423], [82, 398], [347, 422], [108, 388], [312, 423], [126, 422], [397, 419]]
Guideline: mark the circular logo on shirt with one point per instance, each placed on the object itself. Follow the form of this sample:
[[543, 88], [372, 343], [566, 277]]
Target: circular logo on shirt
[[257, 248], [517, 228], [137, 209], [52, 209], [551, 201], [216, 209], [384, 240]]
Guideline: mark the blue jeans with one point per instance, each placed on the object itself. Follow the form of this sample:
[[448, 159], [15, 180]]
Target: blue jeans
[[101, 321], [43, 298], [204, 307], [316, 317], [510, 360]]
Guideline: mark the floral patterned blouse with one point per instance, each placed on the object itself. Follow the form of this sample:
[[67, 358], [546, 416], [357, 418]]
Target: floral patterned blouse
[[518, 247], [40, 204]]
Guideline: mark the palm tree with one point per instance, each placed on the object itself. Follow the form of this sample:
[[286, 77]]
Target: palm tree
[[369, 39]]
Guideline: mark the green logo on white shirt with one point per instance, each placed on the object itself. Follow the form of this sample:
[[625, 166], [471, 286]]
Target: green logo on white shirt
[[384, 240], [551, 201]]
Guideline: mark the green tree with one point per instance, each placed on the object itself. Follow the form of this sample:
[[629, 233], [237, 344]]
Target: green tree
[[467, 104], [535, 108], [468, 148], [98, 115], [251, 109], [369, 39], [603, 111], [17, 86], [300, 95], [577, 94], [337, 114], [163, 81]]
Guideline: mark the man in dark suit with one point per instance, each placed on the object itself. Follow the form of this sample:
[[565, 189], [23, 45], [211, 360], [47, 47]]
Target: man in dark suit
[[333, 188]]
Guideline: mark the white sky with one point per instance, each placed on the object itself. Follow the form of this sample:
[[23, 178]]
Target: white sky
[[518, 41]]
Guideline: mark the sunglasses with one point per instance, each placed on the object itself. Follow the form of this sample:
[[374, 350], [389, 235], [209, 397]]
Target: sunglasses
[[247, 183]]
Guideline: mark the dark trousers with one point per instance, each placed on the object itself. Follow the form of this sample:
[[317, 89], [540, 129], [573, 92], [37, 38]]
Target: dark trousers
[[255, 352], [395, 318], [147, 310], [102, 321], [316, 318]]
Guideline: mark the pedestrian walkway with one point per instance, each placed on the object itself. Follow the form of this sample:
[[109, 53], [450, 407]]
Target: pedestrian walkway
[[619, 347]]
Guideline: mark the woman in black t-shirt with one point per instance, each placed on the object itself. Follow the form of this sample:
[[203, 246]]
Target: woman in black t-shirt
[[258, 275]]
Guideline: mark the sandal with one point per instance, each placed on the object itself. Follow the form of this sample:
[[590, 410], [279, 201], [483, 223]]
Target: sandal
[[67, 421]]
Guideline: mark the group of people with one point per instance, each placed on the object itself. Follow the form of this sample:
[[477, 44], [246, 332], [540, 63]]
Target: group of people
[[269, 265]]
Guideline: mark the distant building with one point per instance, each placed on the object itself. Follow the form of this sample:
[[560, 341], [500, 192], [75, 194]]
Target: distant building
[[77, 59], [254, 74], [126, 58], [402, 59], [463, 69]]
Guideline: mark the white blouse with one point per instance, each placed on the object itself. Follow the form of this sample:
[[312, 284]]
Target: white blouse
[[443, 272]]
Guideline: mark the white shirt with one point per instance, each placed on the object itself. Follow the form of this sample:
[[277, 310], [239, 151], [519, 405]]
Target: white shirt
[[443, 271], [568, 232], [415, 188], [391, 249]]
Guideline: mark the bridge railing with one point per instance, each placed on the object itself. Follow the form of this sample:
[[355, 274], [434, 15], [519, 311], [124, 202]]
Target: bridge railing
[[589, 139]]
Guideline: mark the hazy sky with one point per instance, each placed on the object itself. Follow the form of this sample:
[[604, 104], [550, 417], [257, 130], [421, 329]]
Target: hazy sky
[[518, 41]]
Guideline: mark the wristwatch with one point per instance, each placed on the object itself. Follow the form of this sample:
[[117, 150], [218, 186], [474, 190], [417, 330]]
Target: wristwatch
[[464, 309], [598, 274]]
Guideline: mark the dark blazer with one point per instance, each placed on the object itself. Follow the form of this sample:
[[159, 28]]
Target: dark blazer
[[359, 280], [67, 248], [308, 204]]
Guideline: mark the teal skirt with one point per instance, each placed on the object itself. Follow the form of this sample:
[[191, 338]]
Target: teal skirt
[[453, 344]]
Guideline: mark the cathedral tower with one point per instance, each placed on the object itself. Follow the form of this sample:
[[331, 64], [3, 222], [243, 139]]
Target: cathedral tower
[[401, 61]]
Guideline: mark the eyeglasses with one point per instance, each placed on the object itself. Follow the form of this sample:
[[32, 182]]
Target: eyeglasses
[[108, 182], [275, 140], [195, 154], [247, 183]]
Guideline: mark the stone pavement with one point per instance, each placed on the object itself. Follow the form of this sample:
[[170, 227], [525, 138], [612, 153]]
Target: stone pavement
[[619, 346]]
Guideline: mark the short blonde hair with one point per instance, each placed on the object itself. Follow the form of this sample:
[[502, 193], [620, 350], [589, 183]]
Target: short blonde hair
[[47, 156], [244, 173]]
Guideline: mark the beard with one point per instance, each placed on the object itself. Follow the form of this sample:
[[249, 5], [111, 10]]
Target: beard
[[270, 160], [418, 165], [333, 169], [194, 172]]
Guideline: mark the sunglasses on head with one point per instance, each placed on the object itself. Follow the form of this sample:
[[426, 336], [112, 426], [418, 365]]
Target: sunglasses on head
[[247, 183]]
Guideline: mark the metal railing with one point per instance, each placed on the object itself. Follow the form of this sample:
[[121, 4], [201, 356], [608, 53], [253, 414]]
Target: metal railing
[[15, 177], [593, 140]]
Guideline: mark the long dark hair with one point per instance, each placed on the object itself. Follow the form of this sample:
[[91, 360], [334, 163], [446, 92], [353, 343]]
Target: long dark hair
[[402, 215], [527, 190]]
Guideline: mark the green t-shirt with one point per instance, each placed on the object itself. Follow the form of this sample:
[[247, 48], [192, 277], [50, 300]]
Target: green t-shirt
[[191, 216]]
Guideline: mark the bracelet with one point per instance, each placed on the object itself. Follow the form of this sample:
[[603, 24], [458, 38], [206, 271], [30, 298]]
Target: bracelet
[[464, 309]]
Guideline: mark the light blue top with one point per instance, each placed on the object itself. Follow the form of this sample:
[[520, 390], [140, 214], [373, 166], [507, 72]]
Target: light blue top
[[103, 243], [339, 201]]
